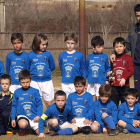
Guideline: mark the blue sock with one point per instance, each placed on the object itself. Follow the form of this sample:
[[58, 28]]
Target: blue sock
[[23, 128], [66, 131], [109, 121], [130, 127], [56, 128], [100, 130]]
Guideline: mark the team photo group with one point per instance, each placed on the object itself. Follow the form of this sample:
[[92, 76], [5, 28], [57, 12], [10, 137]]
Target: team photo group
[[95, 94]]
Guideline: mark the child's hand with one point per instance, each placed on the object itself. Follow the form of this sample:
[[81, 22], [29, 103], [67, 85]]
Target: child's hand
[[13, 123], [122, 82], [86, 122], [136, 123], [112, 58], [41, 135], [107, 82], [108, 74], [36, 119], [104, 130], [73, 121]]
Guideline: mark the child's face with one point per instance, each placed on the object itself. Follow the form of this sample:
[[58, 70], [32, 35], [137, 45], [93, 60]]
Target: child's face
[[131, 100], [71, 45], [60, 101], [80, 88], [43, 45], [17, 45], [5, 84], [25, 83], [98, 49], [104, 98], [119, 48]]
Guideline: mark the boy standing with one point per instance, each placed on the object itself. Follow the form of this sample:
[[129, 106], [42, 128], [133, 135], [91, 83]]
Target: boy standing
[[123, 70], [16, 60], [56, 116], [82, 105], [105, 112], [27, 105], [5, 105], [129, 112], [71, 63], [97, 67]]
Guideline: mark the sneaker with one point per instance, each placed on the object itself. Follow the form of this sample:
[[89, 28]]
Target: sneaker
[[9, 133], [113, 132], [125, 131], [23, 132], [53, 133]]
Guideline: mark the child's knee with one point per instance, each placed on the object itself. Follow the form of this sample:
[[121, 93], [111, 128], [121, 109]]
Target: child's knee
[[54, 122], [94, 128], [75, 128], [23, 123], [121, 123], [104, 115]]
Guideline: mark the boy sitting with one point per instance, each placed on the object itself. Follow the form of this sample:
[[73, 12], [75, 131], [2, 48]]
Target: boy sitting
[[27, 105], [56, 117], [105, 113], [6, 98], [129, 112], [82, 105]]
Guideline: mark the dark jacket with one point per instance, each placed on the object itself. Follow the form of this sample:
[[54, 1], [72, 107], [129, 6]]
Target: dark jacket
[[131, 40], [6, 102]]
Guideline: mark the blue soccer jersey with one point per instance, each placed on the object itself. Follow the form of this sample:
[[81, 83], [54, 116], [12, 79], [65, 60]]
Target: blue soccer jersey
[[97, 67], [41, 65], [71, 65], [16, 63], [82, 105], [109, 107], [27, 103], [127, 114], [53, 112]]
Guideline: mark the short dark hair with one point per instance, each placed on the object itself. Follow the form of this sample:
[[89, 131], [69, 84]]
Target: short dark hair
[[119, 40], [79, 80], [5, 76], [60, 93], [132, 91], [105, 90], [97, 40], [137, 8], [71, 36], [15, 36], [24, 74], [37, 41]]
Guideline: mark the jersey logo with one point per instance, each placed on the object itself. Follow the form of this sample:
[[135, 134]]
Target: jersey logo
[[45, 58], [31, 97], [75, 59], [78, 112], [119, 75], [124, 63], [94, 71], [85, 102], [27, 109], [68, 71], [40, 70], [23, 62], [17, 71], [101, 60]]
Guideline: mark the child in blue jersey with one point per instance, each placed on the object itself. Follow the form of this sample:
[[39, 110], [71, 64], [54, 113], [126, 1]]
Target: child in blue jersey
[[82, 105], [16, 60], [105, 112], [56, 117], [71, 63], [41, 63], [129, 112], [26, 105], [6, 98], [97, 67]]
